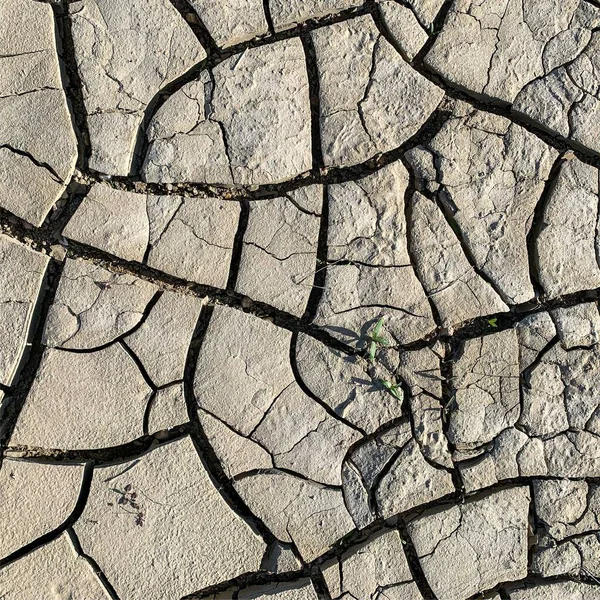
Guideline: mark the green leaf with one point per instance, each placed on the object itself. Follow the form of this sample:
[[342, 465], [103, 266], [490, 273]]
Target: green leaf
[[493, 322], [377, 328], [376, 333], [372, 352], [392, 388]]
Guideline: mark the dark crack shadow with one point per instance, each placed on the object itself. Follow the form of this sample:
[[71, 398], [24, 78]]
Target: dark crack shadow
[[12, 406], [238, 246], [537, 224], [72, 83], [318, 284]]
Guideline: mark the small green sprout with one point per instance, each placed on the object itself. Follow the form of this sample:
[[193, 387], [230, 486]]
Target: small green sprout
[[376, 340], [372, 352], [493, 322], [392, 388], [376, 334]]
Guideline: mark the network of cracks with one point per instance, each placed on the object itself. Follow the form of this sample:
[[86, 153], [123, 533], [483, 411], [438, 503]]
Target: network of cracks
[[299, 299]]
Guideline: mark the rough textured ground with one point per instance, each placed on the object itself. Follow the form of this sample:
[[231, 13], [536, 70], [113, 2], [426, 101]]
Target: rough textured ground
[[299, 299]]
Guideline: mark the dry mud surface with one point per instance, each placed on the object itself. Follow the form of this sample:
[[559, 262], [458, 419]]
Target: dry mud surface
[[299, 299]]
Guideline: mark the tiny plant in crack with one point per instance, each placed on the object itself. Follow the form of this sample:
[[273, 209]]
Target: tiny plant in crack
[[128, 502], [393, 388], [376, 341]]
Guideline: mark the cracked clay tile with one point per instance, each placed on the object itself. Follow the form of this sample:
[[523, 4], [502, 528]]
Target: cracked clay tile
[[411, 480], [190, 238], [296, 590], [92, 306], [556, 590], [456, 289], [541, 56], [36, 498], [245, 122], [566, 248], [366, 221], [356, 296], [54, 568], [342, 382], [310, 515], [101, 395], [579, 501], [112, 220], [356, 496], [162, 342], [561, 559], [471, 547], [404, 27], [38, 148], [119, 81], [425, 10], [279, 252], [421, 371], [375, 565], [562, 393], [362, 112], [197, 243], [185, 143], [165, 497], [247, 358], [370, 274], [253, 391], [561, 504], [236, 454], [280, 558], [168, 409], [377, 477], [578, 325], [231, 22], [486, 389], [492, 174], [302, 437], [289, 13], [534, 333]]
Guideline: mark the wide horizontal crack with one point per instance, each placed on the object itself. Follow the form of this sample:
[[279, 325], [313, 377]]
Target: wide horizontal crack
[[100, 456], [317, 176], [42, 239]]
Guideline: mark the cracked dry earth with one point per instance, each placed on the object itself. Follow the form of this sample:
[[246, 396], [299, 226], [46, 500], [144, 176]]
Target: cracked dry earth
[[299, 299]]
